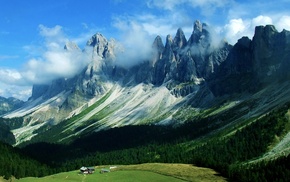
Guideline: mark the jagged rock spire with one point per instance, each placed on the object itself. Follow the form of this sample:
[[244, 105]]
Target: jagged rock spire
[[197, 27], [158, 48], [99, 43], [71, 46], [200, 34], [97, 39], [179, 40], [158, 44], [168, 41], [168, 50], [102, 47]]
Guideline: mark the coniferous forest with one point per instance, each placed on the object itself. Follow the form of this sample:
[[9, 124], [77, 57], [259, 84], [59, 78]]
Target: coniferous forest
[[232, 155]]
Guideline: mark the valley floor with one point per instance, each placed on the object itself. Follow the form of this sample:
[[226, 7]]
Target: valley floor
[[142, 172]]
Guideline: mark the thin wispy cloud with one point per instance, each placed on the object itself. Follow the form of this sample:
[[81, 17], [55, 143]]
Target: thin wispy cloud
[[206, 7], [6, 57]]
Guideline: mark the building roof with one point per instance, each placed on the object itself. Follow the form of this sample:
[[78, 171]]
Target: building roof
[[87, 168], [83, 168]]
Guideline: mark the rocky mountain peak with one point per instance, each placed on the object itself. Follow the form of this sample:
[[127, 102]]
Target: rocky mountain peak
[[97, 39], [179, 39], [158, 48], [71, 46], [265, 30], [100, 45], [158, 44], [244, 42], [168, 41], [200, 35], [268, 46], [197, 27]]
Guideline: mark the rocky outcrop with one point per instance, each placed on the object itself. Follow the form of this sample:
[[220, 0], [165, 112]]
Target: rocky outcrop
[[71, 46], [157, 49], [101, 46], [255, 63], [191, 61], [271, 52], [236, 73]]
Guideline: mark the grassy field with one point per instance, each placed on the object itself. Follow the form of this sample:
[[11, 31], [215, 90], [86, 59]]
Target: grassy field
[[184, 172], [142, 173]]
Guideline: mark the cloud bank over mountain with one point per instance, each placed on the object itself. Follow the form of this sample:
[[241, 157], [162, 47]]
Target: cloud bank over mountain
[[134, 26]]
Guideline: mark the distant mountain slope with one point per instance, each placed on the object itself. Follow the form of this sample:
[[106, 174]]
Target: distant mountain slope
[[9, 104]]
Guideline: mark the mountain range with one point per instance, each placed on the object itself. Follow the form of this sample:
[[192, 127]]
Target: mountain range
[[180, 81]]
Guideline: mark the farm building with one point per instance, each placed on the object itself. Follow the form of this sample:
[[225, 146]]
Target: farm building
[[87, 170], [104, 171]]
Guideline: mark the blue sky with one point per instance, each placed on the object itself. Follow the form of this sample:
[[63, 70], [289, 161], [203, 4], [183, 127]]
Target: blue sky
[[33, 32]]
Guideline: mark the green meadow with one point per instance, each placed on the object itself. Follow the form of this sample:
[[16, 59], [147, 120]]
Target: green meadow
[[157, 172], [126, 176]]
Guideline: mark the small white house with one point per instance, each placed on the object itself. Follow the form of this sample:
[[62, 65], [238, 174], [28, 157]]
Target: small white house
[[87, 170]]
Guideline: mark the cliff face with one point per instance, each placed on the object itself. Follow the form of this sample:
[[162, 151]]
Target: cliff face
[[271, 51], [253, 64]]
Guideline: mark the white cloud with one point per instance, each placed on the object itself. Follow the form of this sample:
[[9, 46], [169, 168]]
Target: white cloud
[[136, 42], [261, 20], [10, 76], [150, 25], [50, 32], [54, 62], [19, 92], [237, 28], [138, 33], [283, 23], [49, 61]]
